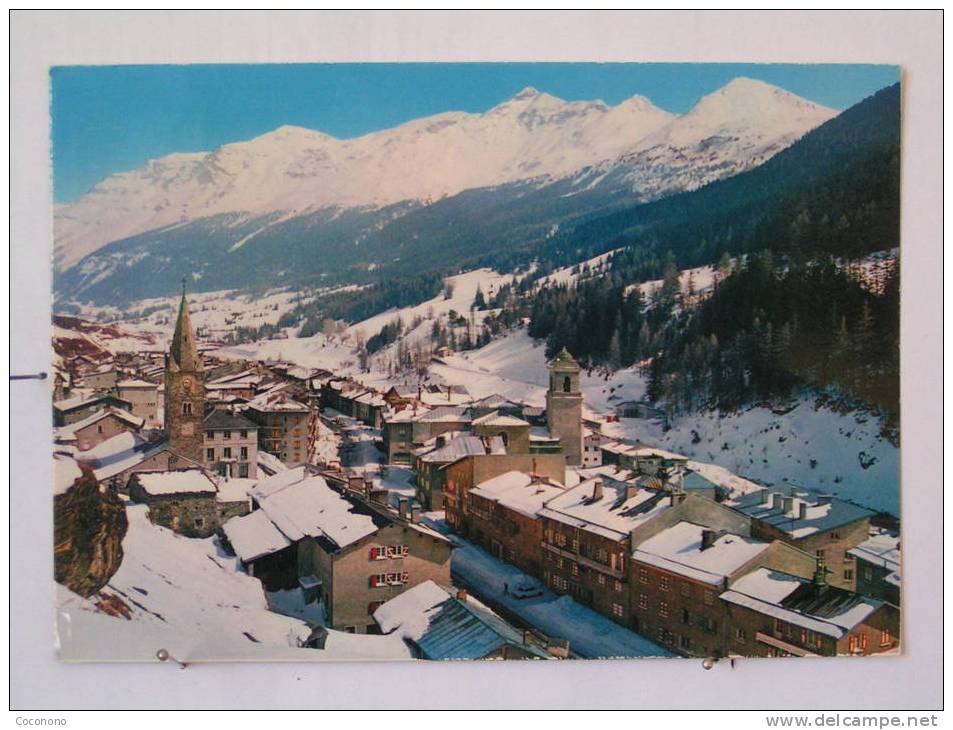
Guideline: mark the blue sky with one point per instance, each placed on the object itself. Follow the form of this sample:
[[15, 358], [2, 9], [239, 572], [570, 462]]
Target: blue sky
[[107, 119]]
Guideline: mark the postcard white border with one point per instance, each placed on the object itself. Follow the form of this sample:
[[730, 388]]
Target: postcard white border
[[40, 39]]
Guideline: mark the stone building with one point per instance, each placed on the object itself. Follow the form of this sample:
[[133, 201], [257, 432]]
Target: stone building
[[439, 452], [503, 517], [586, 541], [461, 476], [820, 525], [678, 574], [513, 431], [183, 501], [78, 408], [564, 405], [97, 428], [878, 567], [286, 426], [231, 445], [184, 393], [143, 396], [349, 552], [774, 613]]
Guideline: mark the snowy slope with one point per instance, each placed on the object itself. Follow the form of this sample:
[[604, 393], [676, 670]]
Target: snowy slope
[[186, 596], [533, 136]]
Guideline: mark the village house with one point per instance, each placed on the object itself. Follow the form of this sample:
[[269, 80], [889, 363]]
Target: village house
[[878, 567], [240, 386], [182, 500], [440, 451], [586, 541], [114, 460], [774, 613], [442, 626], [231, 445], [503, 517], [80, 407], [97, 428], [103, 378], [349, 552], [143, 397], [820, 525], [591, 447], [513, 431], [286, 427]]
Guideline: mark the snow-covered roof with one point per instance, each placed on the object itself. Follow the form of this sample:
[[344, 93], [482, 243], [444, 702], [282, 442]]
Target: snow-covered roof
[[219, 420], [446, 414], [278, 481], [269, 463], [235, 489], [277, 401], [820, 514], [65, 472], [66, 433], [409, 610], [462, 446], [678, 549], [517, 491], [612, 515], [650, 452], [824, 609], [724, 478], [310, 508], [254, 535], [111, 447], [882, 549], [183, 481], [69, 404], [136, 384], [494, 418]]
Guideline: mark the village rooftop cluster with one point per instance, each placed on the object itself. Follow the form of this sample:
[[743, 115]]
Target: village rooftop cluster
[[698, 561]]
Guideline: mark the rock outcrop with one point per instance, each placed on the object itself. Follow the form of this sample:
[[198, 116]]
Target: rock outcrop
[[88, 528]]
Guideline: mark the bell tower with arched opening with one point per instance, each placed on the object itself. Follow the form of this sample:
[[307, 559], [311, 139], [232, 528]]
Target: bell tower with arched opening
[[184, 407], [564, 405]]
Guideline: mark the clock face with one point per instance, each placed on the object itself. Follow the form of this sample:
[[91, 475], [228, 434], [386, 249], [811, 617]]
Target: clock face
[[187, 385]]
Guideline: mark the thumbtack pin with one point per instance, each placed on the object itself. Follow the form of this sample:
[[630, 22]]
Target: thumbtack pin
[[163, 655], [709, 662]]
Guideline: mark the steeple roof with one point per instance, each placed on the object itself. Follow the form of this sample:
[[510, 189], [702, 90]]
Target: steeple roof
[[564, 360], [183, 351]]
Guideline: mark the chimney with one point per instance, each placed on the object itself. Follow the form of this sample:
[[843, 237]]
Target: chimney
[[802, 510], [631, 490], [402, 506], [787, 504], [708, 538], [776, 500], [596, 489], [420, 392], [528, 638], [449, 393], [462, 595], [415, 514], [763, 496], [441, 441]]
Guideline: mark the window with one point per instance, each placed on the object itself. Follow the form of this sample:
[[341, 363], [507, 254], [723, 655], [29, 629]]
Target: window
[[617, 610], [778, 626], [868, 573], [186, 409], [99, 428], [243, 471], [885, 637], [243, 434], [226, 434], [686, 589], [397, 551], [709, 598], [685, 642], [851, 644], [227, 452], [643, 602], [663, 609], [664, 583], [864, 641], [741, 636], [601, 579], [643, 575], [686, 616], [835, 536], [618, 586], [819, 553], [848, 574], [574, 568], [210, 454], [567, 384], [575, 545], [803, 636], [210, 435], [200, 522], [378, 553], [244, 452]]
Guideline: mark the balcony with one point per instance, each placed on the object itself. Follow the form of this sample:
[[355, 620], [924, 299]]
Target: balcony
[[582, 560]]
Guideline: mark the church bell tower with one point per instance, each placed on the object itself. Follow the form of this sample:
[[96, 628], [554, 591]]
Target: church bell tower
[[184, 389], [564, 405]]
